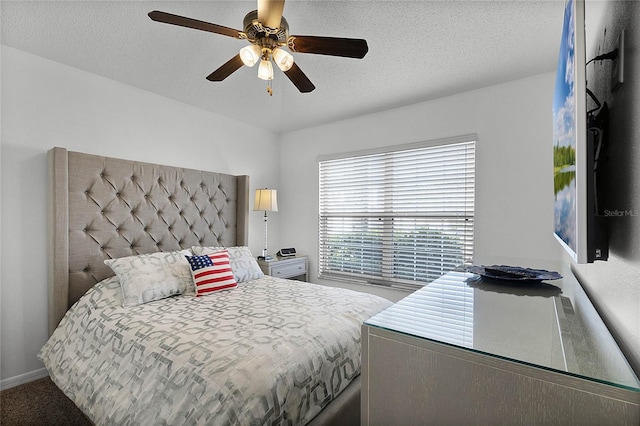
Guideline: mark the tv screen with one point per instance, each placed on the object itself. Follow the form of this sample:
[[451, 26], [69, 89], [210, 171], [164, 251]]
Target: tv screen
[[572, 212]]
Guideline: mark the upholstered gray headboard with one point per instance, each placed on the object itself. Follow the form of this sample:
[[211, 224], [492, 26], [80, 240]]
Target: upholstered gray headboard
[[103, 208]]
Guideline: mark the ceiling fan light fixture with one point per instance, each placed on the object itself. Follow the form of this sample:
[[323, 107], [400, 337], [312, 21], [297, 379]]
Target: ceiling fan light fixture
[[267, 31], [250, 55], [265, 70], [282, 58]]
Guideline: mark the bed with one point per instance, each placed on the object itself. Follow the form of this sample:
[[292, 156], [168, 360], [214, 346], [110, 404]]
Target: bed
[[263, 351]]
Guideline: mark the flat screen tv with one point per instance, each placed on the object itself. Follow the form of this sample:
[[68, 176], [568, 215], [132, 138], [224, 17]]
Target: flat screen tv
[[573, 152]]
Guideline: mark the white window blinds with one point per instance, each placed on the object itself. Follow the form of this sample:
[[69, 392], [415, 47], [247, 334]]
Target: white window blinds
[[402, 217]]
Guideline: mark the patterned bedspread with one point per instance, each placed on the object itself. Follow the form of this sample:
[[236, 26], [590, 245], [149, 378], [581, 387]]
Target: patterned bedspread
[[271, 351]]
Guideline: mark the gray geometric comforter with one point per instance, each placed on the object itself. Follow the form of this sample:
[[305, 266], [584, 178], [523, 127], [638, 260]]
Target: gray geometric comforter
[[271, 351]]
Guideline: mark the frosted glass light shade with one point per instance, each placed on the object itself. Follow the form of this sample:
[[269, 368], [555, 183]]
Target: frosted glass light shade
[[283, 59], [265, 70], [250, 55]]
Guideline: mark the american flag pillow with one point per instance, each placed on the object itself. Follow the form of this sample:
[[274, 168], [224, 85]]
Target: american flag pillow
[[211, 272]]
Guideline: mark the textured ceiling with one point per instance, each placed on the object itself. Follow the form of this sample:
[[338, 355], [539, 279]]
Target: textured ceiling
[[418, 50]]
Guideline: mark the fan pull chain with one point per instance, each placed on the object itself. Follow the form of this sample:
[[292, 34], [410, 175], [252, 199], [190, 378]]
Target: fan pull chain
[[269, 89]]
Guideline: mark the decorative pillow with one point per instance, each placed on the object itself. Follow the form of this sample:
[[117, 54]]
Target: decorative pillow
[[211, 272], [243, 264], [148, 277]]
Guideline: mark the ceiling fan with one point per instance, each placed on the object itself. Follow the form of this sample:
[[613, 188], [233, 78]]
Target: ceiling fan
[[268, 32]]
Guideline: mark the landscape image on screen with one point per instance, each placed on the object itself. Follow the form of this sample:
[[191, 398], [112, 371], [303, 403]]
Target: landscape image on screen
[[564, 136]]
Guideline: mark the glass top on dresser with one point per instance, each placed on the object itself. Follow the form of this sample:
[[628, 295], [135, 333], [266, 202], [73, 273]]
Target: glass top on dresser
[[551, 325]]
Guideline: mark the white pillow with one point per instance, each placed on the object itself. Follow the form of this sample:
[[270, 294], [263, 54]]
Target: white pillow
[[148, 277], [243, 264]]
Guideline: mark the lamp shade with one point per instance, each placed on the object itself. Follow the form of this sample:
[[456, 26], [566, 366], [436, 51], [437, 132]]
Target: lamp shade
[[265, 70], [266, 200], [283, 59], [250, 55]]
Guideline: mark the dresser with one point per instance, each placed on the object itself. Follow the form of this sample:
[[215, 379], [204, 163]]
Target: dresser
[[286, 267], [465, 350]]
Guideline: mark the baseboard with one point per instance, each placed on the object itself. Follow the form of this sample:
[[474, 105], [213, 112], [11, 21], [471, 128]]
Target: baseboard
[[23, 378]]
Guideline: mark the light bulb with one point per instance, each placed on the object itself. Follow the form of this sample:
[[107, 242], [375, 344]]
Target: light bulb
[[283, 59], [250, 55], [265, 70]]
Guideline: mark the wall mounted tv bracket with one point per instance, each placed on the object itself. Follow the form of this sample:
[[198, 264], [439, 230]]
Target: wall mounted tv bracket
[[617, 68]]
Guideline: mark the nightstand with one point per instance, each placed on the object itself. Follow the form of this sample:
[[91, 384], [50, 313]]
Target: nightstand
[[294, 268]]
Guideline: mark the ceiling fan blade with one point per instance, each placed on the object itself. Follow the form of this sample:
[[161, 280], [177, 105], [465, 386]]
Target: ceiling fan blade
[[231, 66], [270, 13], [299, 79], [333, 46], [169, 18]]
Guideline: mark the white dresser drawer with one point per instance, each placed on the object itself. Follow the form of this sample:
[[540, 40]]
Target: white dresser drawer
[[286, 271], [286, 268]]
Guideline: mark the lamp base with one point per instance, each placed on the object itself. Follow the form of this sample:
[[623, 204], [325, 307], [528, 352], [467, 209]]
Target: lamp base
[[266, 257]]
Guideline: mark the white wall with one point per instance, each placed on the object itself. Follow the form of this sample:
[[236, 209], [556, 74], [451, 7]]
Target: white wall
[[514, 200], [46, 104]]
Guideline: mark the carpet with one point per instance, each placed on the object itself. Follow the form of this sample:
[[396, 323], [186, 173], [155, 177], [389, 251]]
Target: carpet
[[40, 403]]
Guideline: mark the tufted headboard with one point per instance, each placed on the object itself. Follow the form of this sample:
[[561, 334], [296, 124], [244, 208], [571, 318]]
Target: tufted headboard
[[102, 208]]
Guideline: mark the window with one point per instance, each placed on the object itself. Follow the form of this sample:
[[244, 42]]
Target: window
[[401, 217]]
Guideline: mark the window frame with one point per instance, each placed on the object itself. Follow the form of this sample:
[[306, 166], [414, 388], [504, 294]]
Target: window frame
[[388, 218]]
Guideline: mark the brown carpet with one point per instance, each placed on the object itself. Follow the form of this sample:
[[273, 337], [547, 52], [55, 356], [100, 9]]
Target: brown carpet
[[39, 403]]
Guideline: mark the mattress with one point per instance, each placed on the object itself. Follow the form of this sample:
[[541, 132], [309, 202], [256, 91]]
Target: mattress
[[271, 351]]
